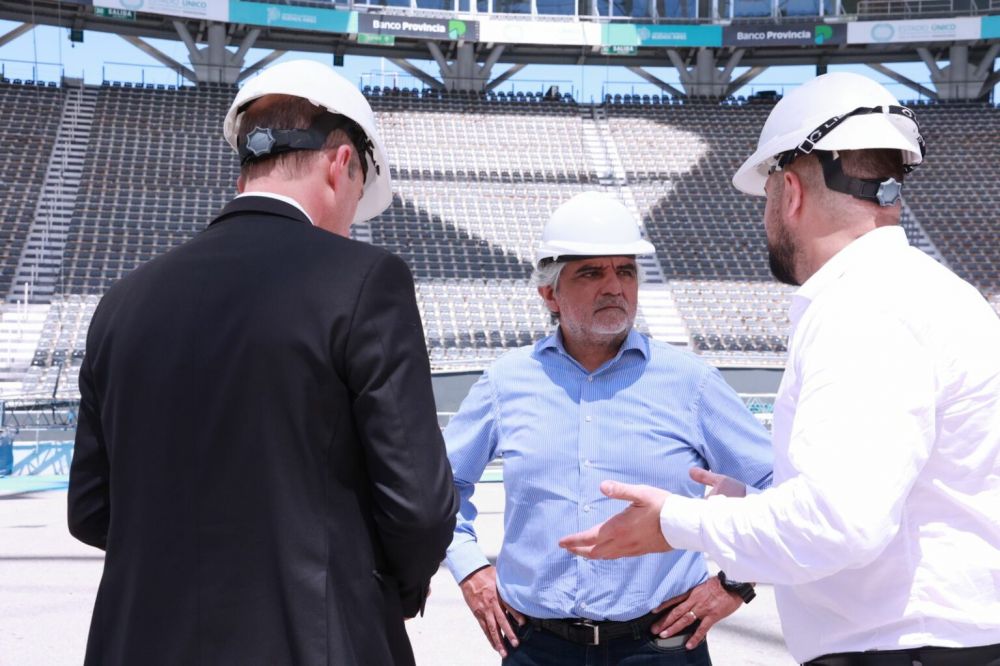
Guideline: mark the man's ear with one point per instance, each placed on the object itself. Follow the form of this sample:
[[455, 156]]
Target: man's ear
[[548, 295], [792, 195], [339, 170], [241, 184]]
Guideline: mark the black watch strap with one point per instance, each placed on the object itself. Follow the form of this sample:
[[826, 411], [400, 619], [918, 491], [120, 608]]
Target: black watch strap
[[745, 590]]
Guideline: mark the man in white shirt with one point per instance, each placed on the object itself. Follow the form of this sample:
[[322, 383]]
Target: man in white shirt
[[882, 531]]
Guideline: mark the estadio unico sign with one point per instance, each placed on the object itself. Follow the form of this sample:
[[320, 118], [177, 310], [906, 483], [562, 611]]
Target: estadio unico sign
[[919, 30], [197, 9]]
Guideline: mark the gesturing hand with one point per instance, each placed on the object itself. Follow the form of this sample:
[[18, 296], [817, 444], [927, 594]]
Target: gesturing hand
[[634, 531], [480, 591], [719, 483]]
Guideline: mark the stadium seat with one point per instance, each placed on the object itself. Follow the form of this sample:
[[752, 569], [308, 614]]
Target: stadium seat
[[467, 220]]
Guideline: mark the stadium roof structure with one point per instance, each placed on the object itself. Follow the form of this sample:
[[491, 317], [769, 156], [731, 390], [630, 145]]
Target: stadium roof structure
[[705, 40]]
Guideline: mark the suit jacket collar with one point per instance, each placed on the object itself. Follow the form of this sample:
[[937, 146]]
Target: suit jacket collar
[[258, 206]]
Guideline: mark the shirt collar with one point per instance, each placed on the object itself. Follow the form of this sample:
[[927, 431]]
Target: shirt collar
[[633, 341], [871, 246], [279, 197]]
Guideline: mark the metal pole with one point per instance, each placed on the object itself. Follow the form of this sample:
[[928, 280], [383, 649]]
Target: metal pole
[[55, 388]]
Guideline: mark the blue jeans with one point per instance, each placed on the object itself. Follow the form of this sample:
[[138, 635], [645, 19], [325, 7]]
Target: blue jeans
[[540, 648]]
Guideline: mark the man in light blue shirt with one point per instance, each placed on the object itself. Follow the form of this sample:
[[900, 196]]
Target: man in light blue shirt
[[596, 400]]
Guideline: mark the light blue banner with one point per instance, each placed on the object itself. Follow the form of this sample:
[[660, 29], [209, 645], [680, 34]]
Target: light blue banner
[[678, 35], [288, 16], [991, 27]]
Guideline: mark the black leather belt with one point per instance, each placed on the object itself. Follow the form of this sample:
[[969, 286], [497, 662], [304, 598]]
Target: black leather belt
[[984, 655], [592, 632]]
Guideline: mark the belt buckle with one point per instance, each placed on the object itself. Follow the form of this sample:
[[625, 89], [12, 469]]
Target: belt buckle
[[595, 635]]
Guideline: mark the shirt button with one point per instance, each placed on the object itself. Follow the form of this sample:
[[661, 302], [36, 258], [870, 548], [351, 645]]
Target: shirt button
[[586, 508], [590, 378], [587, 419], [583, 604], [587, 463]]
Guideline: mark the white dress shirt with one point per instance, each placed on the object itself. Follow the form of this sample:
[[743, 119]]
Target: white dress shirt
[[882, 530], [279, 197]]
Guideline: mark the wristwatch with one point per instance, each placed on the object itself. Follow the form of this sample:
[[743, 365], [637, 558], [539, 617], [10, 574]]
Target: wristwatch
[[745, 590]]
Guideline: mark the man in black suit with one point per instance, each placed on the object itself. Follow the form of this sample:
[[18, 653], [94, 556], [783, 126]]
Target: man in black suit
[[257, 449]]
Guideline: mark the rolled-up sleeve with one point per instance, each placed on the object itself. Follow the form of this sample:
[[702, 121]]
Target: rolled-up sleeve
[[864, 426], [471, 439], [734, 442]]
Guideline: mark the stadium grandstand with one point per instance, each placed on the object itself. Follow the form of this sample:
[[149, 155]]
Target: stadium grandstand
[[99, 174], [107, 176]]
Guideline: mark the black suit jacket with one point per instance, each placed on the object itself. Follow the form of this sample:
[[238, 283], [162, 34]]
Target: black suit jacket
[[258, 451]]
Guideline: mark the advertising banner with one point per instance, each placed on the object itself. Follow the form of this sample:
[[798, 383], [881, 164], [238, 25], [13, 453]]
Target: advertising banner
[[991, 27], [679, 35], [197, 9], [619, 34], [568, 33], [918, 30], [418, 28], [785, 34], [295, 17]]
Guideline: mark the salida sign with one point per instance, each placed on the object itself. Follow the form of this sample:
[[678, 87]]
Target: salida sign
[[419, 28]]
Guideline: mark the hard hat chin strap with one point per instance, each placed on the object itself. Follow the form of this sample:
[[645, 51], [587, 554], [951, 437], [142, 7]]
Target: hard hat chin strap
[[883, 192], [263, 142]]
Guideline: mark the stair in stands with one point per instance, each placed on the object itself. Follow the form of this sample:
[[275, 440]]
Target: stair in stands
[[618, 174], [657, 310], [663, 319], [39, 264], [20, 329], [594, 146]]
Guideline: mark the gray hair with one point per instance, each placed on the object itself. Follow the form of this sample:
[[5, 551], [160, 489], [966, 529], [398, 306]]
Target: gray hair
[[547, 273]]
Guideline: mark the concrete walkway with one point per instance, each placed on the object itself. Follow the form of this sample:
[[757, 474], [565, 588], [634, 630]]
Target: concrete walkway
[[48, 581]]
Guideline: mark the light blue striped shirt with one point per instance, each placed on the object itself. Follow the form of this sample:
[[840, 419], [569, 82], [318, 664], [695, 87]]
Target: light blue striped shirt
[[646, 416]]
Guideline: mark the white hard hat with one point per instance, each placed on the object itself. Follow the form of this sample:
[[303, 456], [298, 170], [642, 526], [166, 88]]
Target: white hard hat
[[837, 111], [324, 87], [591, 224]]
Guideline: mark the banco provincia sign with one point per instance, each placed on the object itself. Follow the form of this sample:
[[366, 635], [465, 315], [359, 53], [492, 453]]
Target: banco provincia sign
[[785, 34], [418, 28]]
